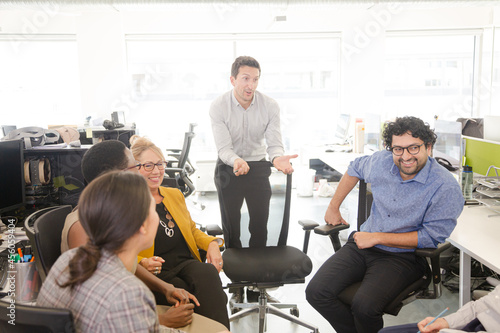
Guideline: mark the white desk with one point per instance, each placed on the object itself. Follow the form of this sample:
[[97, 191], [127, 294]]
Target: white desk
[[476, 235], [337, 160]]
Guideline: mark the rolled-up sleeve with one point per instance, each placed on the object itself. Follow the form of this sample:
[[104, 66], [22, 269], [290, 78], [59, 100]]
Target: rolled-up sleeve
[[441, 216]]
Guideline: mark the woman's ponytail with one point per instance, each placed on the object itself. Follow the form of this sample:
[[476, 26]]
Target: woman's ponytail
[[83, 264]]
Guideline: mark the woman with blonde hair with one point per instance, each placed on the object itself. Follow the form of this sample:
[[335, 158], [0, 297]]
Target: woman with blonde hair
[[174, 256]]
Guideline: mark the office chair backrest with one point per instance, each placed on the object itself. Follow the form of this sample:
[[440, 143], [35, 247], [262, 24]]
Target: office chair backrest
[[282, 240], [279, 208], [178, 174], [48, 228], [29, 226], [186, 147], [29, 319], [365, 200]]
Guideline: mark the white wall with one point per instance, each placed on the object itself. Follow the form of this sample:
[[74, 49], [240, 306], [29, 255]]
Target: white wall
[[102, 62]]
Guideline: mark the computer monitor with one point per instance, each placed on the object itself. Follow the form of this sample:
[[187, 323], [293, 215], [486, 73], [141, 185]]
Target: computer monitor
[[373, 129], [342, 131], [11, 175], [6, 129], [449, 141]]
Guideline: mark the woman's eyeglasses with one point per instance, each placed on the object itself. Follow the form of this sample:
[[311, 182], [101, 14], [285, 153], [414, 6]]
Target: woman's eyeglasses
[[149, 166]]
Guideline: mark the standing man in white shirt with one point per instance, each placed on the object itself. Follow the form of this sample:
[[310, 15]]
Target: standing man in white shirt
[[246, 125]]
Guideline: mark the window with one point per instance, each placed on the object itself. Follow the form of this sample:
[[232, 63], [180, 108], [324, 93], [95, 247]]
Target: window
[[40, 77], [176, 78], [430, 75]]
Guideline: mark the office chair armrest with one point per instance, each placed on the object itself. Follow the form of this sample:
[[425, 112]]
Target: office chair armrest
[[173, 169], [308, 224], [213, 230], [174, 155], [432, 252], [328, 229], [332, 231], [434, 255]]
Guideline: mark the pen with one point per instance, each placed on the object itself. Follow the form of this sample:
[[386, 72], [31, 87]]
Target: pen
[[438, 316], [20, 254]]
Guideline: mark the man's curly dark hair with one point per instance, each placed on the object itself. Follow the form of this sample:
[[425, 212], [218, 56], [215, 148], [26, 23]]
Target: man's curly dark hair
[[414, 125]]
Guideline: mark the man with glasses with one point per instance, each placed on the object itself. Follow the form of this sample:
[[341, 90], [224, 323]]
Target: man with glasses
[[416, 203]]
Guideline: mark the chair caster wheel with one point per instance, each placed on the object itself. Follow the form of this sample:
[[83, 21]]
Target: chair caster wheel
[[294, 312]]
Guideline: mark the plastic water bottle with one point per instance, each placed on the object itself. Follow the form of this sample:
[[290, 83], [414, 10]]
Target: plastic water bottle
[[467, 182], [359, 136]]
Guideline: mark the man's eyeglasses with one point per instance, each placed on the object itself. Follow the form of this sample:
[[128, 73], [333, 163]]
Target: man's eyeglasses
[[149, 166], [398, 151]]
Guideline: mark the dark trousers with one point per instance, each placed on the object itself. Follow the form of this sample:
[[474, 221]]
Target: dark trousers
[[203, 281], [255, 189], [384, 275]]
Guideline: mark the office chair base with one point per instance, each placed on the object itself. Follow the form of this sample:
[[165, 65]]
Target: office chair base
[[262, 308]]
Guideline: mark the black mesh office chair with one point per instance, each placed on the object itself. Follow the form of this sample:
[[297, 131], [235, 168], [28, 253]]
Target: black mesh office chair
[[29, 319], [417, 290], [44, 229], [178, 171], [269, 267]]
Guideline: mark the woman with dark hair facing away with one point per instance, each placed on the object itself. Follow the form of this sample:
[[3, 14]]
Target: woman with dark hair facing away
[[95, 281], [174, 256], [114, 155]]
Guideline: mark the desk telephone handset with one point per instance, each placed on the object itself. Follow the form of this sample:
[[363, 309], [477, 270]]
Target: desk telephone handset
[[444, 162]]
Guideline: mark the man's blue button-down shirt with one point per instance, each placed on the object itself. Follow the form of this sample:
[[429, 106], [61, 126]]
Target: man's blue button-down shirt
[[430, 203]]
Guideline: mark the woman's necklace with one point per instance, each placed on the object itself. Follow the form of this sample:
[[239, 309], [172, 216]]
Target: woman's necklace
[[169, 226]]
